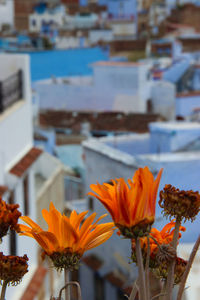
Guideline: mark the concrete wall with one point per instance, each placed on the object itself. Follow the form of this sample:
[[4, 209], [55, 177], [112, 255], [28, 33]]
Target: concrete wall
[[124, 29], [53, 191], [186, 104], [100, 35], [163, 99], [173, 138], [16, 122], [6, 13]]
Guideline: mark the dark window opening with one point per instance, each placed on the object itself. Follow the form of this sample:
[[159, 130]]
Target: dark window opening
[[149, 106], [26, 198], [91, 203], [99, 287], [12, 235]]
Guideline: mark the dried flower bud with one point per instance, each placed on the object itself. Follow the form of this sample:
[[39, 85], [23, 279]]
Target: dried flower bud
[[165, 253], [179, 204], [162, 270], [13, 268], [9, 216], [179, 269], [140, 230]]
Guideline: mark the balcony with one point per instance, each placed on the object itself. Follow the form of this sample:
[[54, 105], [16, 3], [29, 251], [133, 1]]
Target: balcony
[[11, 90]]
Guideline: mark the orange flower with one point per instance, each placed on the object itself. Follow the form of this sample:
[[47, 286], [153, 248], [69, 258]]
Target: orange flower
[[9, 216], [157, 243], [132, 207], [66, 239]]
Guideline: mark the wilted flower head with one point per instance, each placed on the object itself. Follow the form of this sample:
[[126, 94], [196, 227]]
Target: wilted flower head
[[13, 268], [159, 241], [162, 270], [179, 204], [9, 216], [66, 239], [132, 207]]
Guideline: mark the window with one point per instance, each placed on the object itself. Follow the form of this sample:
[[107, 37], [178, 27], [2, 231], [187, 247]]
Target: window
[[149, 106], [99, 287], [91, 203], [33, 22], [26, 193]]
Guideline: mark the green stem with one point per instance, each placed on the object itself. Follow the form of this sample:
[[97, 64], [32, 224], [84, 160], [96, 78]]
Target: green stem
[[188, 267], [170, 276], [141, 273], [67, 289], [3, 290]]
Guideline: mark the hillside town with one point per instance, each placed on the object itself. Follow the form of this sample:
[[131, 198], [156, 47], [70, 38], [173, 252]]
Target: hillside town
[[90, 91]]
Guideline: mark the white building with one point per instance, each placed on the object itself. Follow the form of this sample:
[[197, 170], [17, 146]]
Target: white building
[[6, 13], [124, 28], [52, 18], [115, 157], [115, 86], [81, 21], [126, 81], [28, 175]]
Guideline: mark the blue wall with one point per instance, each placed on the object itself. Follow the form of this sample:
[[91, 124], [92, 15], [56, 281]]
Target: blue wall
[[127, 8]]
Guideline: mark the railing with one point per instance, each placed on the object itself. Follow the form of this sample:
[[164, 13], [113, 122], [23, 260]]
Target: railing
[[11, 90]]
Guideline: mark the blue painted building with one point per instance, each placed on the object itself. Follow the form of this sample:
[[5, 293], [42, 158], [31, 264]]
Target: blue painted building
[[117, 9]]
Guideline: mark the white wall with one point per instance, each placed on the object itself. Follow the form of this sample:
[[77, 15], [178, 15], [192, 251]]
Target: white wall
[[6, 13], [124, 29], [100, 35], [125, 82], [16, 122], [163, 99], [67, 42], [185, 105], [57, 18]]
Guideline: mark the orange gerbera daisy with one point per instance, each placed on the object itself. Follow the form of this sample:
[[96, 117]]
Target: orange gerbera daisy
[[159, 242], [66, 239], [132, 207]]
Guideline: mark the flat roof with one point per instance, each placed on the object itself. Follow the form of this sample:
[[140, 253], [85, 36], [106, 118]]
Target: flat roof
[[179, 125], [117, 64], [170, 157]]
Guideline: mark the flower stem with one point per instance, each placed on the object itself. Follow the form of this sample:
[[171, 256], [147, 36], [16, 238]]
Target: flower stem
[[3, 290], [134, 291], [142, 288], [170, 276], [67, 289], [188, 267], [147, 270]]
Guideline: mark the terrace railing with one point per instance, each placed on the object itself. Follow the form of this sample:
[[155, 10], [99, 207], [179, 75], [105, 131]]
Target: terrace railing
[[11, 90]]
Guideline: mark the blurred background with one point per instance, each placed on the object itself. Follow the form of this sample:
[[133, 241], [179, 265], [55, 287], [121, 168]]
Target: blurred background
[[91, 90]]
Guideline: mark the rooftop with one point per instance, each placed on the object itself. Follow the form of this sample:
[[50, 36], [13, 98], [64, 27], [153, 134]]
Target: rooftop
[[117, 64], [110, 121], [176, 71], [25, 162], [173, 126]]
